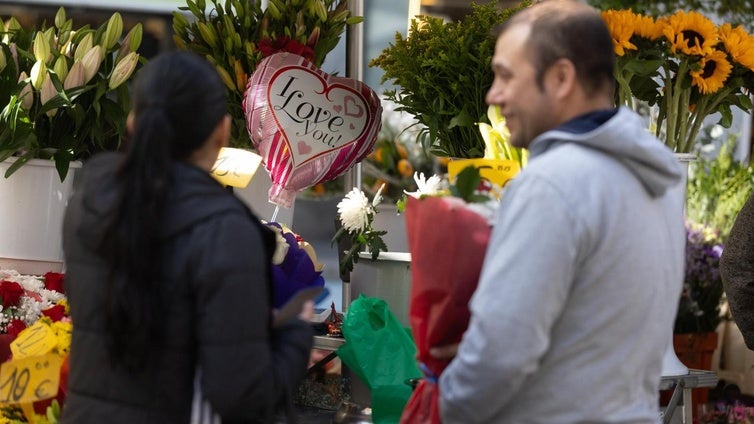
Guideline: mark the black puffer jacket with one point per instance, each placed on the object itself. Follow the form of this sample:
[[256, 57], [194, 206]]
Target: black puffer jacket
[[215, 314], [737, 270]]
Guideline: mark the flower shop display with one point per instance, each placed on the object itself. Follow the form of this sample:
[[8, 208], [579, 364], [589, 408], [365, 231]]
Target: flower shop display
[[236, 35], [35, 336], [63, 89], [443, 74], [307, 125], [683, 65]]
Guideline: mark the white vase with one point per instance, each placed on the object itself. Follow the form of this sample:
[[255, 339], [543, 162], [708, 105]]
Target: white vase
[[388, 219], [387, 278], [671, 365], [31, 216]]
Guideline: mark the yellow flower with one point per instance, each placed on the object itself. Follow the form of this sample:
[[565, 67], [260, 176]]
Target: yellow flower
[[739, 44], [621, 24], [713, 71], [690, 33]]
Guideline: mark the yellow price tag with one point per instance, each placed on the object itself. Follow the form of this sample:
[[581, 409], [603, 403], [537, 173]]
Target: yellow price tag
[[39, 339], [235, 167], [30, 379], [497, 171]]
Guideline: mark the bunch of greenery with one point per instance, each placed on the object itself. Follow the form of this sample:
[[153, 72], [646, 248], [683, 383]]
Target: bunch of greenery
[[443, 71], [235, 35], [717, 190]]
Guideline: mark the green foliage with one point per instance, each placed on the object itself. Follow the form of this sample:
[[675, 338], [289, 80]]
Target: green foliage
[[466, 185], [443, 70], [717, 190]]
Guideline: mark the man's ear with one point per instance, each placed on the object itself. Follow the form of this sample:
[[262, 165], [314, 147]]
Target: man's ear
[[561, 78]]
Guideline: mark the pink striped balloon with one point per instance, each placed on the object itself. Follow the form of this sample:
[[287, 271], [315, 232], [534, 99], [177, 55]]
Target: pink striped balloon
[[309, 127]]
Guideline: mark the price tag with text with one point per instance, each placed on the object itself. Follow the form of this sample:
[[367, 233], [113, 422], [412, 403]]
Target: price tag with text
[[30, 379], [497, 171], [39, 339], [235, 167]]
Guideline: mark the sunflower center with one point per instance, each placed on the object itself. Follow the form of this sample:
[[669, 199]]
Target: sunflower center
[[709, 69], [692, 38]]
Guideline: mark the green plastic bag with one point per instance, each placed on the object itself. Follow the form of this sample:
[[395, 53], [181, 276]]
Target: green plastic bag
[[381, 352]]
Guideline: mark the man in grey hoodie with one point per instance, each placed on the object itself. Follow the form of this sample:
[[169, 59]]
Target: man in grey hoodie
[[582, 275]]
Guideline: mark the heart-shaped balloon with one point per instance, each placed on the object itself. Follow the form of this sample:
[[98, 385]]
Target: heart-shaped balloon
[[308, 126]]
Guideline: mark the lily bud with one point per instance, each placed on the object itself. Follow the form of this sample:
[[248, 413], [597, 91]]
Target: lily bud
[[38, 72], [85, 45], [113, 32], [61, 68], [60, 17], [131, 42], [123, 70], [91, 61], [11, 26], [3, 60], [41, 47], [75, 77], [47, 92], [26, 96], [313, 37]]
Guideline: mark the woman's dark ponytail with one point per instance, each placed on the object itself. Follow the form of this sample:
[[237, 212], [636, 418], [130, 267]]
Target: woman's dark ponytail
[[179, 101]]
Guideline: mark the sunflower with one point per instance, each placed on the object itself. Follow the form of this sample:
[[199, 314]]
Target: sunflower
[[620, 23], [713, 71], [647, 27], [690, 33], [739, 44]]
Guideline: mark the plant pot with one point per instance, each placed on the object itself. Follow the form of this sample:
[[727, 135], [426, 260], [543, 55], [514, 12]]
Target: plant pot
[[387, 278], [695, 350], [31, 216]]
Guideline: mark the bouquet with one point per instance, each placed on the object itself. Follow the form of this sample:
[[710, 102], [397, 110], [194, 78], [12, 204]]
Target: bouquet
[[685, 66], [447, 237], [294, 264], [63, 90]]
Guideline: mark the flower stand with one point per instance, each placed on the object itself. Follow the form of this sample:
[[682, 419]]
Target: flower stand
[[31, 216]]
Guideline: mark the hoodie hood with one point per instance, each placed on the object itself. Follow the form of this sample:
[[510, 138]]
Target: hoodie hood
[[194, 196], [623, 136]]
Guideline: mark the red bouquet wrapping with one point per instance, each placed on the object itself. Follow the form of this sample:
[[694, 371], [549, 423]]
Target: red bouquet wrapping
[[447, 241]]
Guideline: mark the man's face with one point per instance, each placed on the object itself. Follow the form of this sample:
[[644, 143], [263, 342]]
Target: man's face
[[527, 108]]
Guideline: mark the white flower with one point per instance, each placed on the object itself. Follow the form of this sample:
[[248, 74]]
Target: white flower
[[431, 186], [378, 196], [354, 211]]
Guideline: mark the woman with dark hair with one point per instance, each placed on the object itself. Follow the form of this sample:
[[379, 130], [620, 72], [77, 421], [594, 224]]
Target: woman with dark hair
[[168, 272]]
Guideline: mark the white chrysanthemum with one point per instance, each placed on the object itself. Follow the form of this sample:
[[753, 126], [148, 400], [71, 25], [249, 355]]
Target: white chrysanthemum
[[354, 211], [30, 310], [431, 186], [51, 296]]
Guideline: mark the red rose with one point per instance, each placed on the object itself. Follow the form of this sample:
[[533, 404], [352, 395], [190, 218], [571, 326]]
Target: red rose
[[269, 47], [14, 327], [56, 313], [54, 281], [10, 293]]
